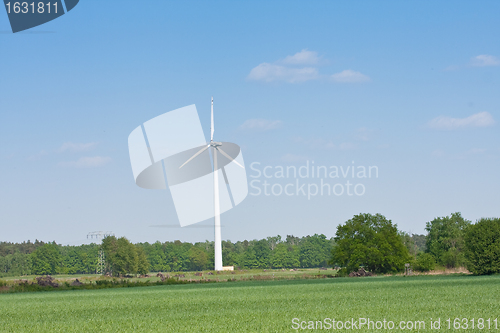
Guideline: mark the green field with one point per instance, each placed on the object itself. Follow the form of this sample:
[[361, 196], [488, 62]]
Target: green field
[[253, 306]]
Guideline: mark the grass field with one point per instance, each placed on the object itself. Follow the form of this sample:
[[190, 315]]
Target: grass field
[[253, 306]]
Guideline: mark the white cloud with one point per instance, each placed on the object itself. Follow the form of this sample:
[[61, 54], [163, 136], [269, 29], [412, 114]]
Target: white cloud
[[261, 124], [87, 162], [271, 72], [323, 144], [482, 119], [364, 134], [475, 151], [350, 76], [347, 146], [484, 60], [293, 158], [452, 68], [320, 144], [300, 67], [471, 153], [303, 57], [37, 156], [77, 147], [438, 153]]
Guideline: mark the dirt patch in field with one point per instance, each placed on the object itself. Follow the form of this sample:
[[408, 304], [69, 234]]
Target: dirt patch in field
[[76, 283], [46, 281], [361, 272], [457, 270]]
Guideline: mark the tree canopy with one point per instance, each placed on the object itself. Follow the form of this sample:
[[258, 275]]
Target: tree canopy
[[123, 257], [482, 246], [46, 260], [445, 239], [369, 241]]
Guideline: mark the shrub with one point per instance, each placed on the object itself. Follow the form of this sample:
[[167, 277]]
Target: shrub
[[425, 262], [482, 242], [342, 272]]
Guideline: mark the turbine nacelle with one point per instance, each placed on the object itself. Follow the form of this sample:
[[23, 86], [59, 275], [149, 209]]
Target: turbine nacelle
[[215, 144]]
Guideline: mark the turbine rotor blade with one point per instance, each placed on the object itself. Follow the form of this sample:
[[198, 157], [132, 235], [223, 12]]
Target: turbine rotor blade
[[230, 158], [212, 122], [192, 157]]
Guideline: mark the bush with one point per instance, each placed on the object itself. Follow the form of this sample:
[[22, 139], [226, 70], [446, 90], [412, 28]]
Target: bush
[[425, 262], [342, 272], [482, 242]]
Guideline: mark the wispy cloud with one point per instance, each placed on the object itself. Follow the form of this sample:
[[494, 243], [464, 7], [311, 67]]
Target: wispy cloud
[[482, 119], [37, 156], [304, 57], [484, 60], [364, 134], [320, 144], [452, 68], [471, 153], [347, 146], [438, 153], [87, 162], [301, 67], [272, 72], [475, 151], [315, 143], [261, 124], [350, 76], [323, 144], [293, 158], [76, 147]]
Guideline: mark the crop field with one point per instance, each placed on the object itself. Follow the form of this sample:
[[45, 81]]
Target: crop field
[[255, 306]]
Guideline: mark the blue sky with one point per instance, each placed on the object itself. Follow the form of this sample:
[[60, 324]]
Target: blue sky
[[409, 87]]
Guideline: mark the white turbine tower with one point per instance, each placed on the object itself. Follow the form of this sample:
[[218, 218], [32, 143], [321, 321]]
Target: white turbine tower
[[216, 148]]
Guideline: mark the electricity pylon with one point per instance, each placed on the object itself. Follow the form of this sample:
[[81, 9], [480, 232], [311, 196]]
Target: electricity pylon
[[101, 260]]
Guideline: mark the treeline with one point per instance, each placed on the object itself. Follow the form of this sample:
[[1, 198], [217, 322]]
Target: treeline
[[374, 242], [369, 241], [41, 258], [272, 252], [123, 257], [453, 241]]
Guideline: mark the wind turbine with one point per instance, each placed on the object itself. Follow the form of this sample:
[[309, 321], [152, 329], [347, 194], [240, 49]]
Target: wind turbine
[[216, 148]]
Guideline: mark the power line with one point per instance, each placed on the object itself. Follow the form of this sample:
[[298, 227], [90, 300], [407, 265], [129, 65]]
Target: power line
[[99, 236]]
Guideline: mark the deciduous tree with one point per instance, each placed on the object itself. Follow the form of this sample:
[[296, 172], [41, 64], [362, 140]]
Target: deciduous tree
[[482, 243], [445, 240], [46, 260], [371, 241]]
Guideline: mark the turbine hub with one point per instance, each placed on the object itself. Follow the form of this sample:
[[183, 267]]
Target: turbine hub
[[215, 144]]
